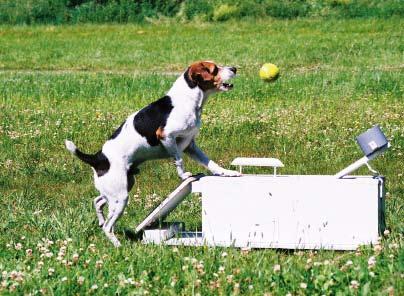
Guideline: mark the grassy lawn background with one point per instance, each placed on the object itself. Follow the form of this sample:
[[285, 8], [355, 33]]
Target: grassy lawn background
[[338, 78]]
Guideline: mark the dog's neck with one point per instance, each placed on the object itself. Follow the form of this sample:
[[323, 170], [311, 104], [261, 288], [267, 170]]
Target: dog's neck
[[184, 92]]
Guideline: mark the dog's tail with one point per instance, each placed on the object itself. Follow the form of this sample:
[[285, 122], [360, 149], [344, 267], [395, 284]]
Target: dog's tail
[[91, 159]]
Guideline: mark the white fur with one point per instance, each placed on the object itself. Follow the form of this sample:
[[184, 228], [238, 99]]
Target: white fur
[[129, 148], [70, 146]]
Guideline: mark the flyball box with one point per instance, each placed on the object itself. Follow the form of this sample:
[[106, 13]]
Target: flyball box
[[337, 212], [267, 211]]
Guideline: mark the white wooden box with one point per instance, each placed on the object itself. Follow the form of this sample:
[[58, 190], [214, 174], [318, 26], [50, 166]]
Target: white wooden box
[[291, 212]]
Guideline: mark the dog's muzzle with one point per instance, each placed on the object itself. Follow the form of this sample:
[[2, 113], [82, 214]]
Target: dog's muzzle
[[226, 74]]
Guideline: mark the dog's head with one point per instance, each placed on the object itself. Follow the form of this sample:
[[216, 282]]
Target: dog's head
[[210, 77]]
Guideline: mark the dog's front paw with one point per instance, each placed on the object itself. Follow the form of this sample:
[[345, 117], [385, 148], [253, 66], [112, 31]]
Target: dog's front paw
[[227, 173], [185, 175]]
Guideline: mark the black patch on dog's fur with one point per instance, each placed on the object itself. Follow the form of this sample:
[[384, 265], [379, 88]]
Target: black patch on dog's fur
[[188, 80], [98, 161], [117, 132], [133, 170], [150, 118]]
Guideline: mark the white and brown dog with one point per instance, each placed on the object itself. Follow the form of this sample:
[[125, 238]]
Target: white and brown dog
[[165, 128]]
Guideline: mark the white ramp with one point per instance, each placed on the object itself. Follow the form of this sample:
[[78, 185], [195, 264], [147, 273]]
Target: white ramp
[[170, 203]]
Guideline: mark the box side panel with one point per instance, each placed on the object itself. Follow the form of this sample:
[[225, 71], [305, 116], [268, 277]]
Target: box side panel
[[381, 205], [305, 213]]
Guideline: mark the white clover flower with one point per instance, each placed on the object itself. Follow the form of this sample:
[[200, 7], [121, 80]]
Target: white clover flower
[[229, 278], [13, 274], [317, 263], [92, 248], [349, 263], [64, 279], [75, 257], [386, 232], [245, 250], [80, 280], [51, 271], [221, 269], [13, 287], [28, 252], [393, 246], [354, 284], [18, 246], [94, 287], [303, 285], [372, 261], [377, 248], [277, 268], [224, 254], [99, 263]]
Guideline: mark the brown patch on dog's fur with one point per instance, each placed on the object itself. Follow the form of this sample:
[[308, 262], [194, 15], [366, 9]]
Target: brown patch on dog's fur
[[204, 74], [160, 133]]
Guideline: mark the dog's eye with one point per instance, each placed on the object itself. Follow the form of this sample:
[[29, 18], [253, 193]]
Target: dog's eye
[[215, 71]]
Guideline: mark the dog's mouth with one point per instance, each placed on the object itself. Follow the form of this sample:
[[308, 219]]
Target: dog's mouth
[[226, 74], [226, 86]]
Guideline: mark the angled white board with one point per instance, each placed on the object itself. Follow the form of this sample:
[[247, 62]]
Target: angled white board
[[170, 203]]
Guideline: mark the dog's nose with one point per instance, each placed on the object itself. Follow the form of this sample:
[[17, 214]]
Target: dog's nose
[[233, 69]]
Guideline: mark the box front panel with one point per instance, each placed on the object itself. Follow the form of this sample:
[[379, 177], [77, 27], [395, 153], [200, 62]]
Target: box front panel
[[305, 212]]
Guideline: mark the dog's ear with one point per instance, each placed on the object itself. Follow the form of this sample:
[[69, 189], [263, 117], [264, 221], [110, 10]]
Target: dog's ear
[[202, 71]]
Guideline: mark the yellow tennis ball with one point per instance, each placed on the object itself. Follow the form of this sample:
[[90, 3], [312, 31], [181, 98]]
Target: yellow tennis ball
[[269, 72]]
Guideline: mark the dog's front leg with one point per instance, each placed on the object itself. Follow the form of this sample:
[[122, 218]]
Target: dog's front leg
[[196, 153], [170, 144]]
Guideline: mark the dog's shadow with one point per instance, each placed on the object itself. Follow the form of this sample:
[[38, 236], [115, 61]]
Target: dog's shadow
[[130, 234]]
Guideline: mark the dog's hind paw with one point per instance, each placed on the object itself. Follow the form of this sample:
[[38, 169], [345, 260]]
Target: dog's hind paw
[[70, 146]]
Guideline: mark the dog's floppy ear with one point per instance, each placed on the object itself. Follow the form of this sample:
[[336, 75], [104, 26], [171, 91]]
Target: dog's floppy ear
[[202, 71]]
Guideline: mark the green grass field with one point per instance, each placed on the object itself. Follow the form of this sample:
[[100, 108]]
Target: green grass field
[[338, 78]]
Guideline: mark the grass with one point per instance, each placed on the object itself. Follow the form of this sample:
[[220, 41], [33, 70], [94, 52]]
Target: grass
[[133, 11], [338, 78]]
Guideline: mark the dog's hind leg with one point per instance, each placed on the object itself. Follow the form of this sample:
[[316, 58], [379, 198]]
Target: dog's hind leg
[[99, 203], [116, 208]]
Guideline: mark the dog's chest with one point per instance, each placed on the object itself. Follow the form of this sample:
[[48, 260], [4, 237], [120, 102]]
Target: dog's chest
[[185, 120]]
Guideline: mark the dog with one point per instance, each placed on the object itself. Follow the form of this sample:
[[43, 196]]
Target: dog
[[165, 128]]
